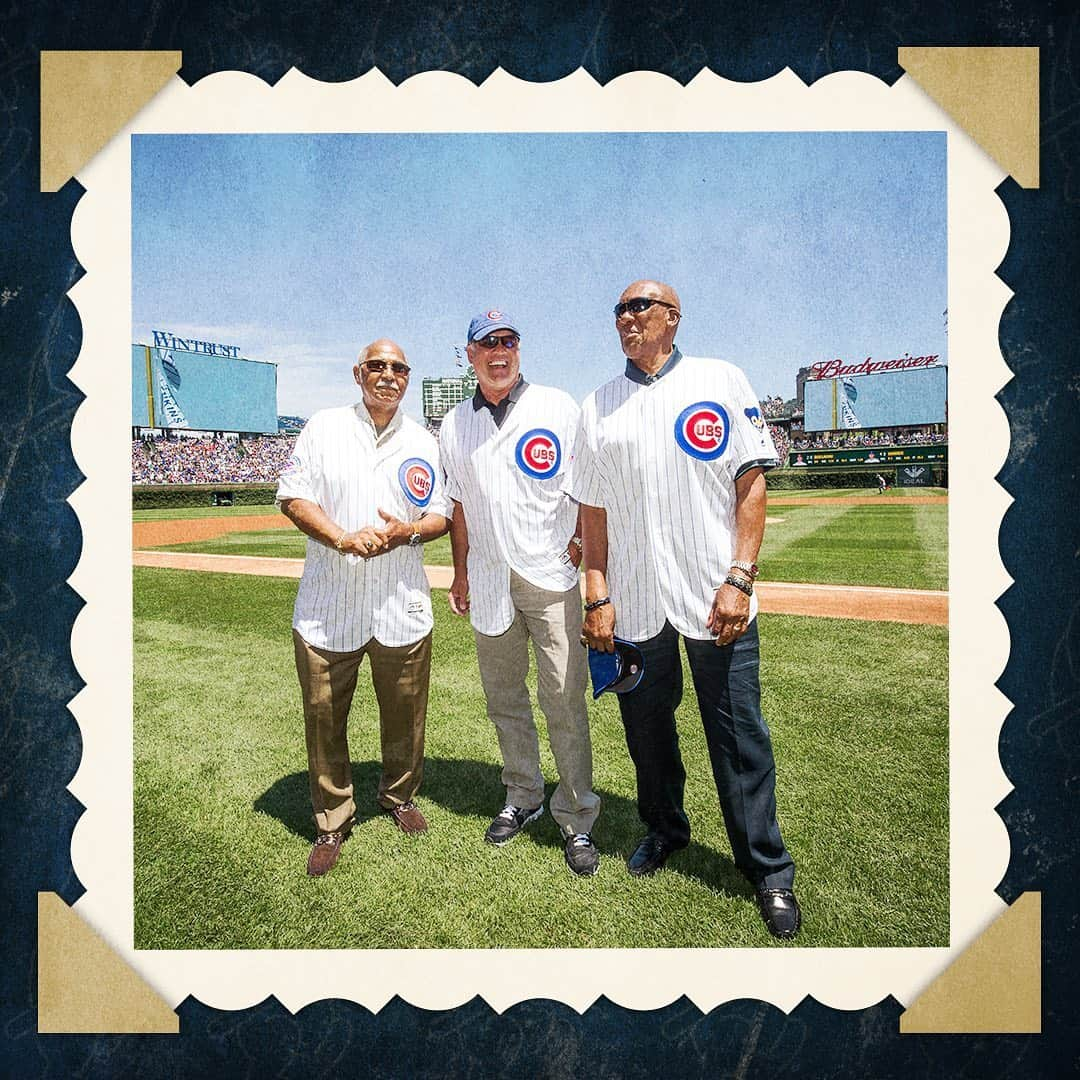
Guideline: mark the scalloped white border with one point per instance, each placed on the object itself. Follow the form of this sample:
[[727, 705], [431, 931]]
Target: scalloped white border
[[641, 979]]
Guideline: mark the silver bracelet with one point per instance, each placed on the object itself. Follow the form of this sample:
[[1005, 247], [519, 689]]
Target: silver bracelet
[[749, 567]]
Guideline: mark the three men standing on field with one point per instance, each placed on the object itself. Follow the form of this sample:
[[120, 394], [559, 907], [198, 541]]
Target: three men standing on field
[[666, 494]]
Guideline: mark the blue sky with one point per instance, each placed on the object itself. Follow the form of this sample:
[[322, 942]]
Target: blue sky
[[785, 248]]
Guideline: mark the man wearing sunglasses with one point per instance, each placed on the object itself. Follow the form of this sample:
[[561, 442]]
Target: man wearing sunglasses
[[669, 469], [516, 552], [364, 483]]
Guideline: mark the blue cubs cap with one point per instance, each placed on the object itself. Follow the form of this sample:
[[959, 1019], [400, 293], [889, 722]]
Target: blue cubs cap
[[616, 671], [493, 319]]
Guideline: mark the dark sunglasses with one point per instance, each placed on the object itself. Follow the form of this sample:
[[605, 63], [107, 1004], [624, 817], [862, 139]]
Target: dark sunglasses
[[492, 342], [638, 305], [377, 367]]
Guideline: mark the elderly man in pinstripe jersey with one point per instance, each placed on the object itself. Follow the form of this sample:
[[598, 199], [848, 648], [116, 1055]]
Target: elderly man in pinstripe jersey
[[669, 469], [365, 484]]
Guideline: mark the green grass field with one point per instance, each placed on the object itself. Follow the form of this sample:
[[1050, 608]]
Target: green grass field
[[184, 513], [871, 490], [858, 712], [899, 546], [286, 544]]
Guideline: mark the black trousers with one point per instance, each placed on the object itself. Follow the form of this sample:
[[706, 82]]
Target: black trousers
[[740, 750]]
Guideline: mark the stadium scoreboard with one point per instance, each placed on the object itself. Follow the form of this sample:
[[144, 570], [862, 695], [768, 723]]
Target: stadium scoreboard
[[870, 455], [887, 398], [199, 390]]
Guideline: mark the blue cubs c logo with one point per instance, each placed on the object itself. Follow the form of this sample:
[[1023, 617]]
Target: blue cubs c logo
[[538, 453], [702, 430], [417, 480]]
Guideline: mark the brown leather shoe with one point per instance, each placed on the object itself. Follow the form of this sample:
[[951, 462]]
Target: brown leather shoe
[[408, 818], [325, 852]]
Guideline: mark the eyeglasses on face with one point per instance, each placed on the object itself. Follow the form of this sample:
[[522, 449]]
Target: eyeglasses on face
[[492, 341], [377, 367], [638, 305]]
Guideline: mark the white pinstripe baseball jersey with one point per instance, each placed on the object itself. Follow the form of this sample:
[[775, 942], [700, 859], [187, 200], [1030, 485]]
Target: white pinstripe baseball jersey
[[344, 600], [509, 483], [661, 458]]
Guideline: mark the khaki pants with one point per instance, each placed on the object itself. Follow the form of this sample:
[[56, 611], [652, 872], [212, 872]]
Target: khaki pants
[[327, 681], [553, 621]]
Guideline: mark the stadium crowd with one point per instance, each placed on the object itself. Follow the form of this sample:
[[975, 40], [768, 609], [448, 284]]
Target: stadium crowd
[[774, 408], [257, 460], [832, 440], [780, 441]]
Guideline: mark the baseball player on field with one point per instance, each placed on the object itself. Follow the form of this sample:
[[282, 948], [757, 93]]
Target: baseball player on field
[[364, 482], [516, 553], [669, 469]]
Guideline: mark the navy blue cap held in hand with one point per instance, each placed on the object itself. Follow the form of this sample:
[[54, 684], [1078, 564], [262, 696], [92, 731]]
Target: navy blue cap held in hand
[[617, 671]]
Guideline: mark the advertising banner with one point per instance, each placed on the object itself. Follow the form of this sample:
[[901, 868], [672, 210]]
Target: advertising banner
[[914, 476]]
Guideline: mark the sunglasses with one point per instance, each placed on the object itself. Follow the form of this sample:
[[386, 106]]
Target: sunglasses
[[377, 367], [492, 342], [638, 305]]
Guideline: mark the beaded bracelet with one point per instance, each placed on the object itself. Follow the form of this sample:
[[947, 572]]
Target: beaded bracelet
[[594, 604], [741, 584]]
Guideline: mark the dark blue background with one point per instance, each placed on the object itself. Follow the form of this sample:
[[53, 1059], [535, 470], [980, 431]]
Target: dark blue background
[[1039, 539]]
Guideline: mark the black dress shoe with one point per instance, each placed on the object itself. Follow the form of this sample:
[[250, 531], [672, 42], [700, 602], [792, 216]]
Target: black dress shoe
[[649, 856], [781, 913]]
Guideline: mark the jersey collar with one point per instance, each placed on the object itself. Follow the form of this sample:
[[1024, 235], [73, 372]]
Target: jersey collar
[[499, 412], [635, 374], [387, 432]]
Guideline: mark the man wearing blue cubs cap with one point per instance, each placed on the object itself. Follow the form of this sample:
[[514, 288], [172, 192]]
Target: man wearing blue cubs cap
[[364, 483], [516, 553], [669, 469]]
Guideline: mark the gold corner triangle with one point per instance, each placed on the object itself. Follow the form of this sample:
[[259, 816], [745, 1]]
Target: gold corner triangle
[[992, 93], [84, 987], [86, 97], [994, 986]]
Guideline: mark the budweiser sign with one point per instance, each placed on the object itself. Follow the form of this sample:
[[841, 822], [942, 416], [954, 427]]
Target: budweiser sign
[[833, 369]]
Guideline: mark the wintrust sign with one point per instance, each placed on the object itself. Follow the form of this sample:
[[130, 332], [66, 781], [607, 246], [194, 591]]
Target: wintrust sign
[[165, 340]]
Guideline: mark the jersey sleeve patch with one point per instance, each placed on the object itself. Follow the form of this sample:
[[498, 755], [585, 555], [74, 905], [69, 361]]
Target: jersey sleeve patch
[[755, 418]]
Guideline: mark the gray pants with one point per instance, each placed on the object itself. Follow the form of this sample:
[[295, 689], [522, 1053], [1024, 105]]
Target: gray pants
[[553, 621]]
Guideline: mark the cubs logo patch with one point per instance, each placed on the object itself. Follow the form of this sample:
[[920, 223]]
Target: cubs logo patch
[[702, 430], [417, 479], [755, 418], [494, 313], [538, 453]]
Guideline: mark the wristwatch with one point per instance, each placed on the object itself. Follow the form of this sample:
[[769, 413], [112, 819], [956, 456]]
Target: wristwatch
[[415, 540]]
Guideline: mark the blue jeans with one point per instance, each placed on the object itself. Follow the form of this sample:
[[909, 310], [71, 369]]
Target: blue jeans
[[740, 750]]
